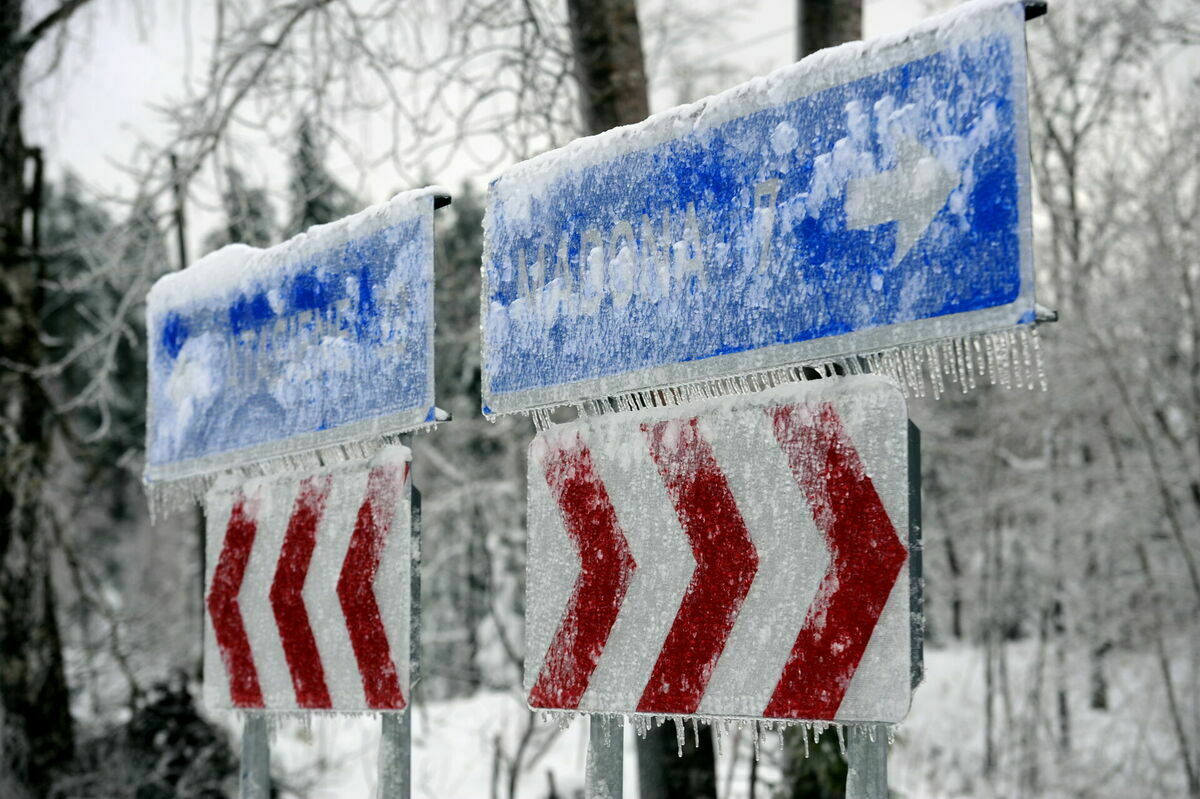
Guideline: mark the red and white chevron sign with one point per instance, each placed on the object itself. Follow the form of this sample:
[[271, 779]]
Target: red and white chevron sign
[[745, 557], [308, 589]]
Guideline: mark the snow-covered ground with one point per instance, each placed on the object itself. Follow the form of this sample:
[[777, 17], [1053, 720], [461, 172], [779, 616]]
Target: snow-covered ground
[[938, 751]]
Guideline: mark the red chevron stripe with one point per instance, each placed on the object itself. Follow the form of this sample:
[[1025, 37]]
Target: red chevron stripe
[[287, 599], [726, 562], [606, 568], [865, 560], [356, 588], [223, 609]]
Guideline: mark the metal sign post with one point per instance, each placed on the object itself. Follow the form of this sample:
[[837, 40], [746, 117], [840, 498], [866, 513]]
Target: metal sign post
[[866, 759], [605, 760], [255, 778], [395, 744]]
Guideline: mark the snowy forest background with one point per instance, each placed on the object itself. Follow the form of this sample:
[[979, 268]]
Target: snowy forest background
[[1062, 529]]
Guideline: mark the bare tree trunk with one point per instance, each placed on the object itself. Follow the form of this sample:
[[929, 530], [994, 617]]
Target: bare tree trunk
[[956, 601], [664, 774], [826, 23], [608, 63], [35, 724]]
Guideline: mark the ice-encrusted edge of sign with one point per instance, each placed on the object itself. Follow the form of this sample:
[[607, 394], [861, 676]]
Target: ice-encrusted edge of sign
[[1009, 358], [726, 726], [999, 347], [222, 274]]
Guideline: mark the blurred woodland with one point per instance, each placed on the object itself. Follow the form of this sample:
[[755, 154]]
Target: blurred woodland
[[1061, 530]]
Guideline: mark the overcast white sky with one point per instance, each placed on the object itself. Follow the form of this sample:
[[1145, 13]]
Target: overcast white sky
[[122, 62]]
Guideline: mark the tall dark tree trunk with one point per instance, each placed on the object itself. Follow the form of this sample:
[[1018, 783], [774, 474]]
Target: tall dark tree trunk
[[826, 23], [665, 774], [608, 63], [612, 89], [35, 720]]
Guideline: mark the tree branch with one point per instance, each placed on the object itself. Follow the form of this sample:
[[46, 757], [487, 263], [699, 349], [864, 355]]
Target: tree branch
[[47, 23]]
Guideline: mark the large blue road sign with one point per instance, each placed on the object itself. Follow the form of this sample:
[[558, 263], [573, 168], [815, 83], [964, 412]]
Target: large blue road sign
[[323, 341], [871, 196]]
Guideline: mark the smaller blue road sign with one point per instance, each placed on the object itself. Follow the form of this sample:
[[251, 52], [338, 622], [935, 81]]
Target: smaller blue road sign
[[872, 196], [322, 341]]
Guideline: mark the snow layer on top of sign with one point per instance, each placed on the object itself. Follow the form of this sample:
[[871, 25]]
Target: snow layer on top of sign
[[239, 268], [792, 551], [870, 196], [321, 341]]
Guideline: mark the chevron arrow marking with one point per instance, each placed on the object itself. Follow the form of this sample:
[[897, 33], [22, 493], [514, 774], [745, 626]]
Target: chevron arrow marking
[[606, 567], [356, 591], [866, 558], [788, 601], [287, 600], [726, 563], [223, 609]]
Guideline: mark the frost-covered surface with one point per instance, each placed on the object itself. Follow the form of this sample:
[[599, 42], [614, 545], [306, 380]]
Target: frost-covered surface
[[307, 588], [728, 557], [870, 196], [323, 340]]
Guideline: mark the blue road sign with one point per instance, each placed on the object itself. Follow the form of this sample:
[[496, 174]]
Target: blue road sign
[[324, 340], [871, 196]]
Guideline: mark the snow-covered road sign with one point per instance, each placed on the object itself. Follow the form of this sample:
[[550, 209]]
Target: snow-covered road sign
[[307, 589], [871, 196], [324, 340], [746, 556]]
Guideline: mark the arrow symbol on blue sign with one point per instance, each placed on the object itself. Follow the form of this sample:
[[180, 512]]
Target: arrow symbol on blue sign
[[910, 195]]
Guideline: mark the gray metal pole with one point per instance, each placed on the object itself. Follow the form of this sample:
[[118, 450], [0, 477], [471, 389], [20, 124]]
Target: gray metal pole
[[605, 760], [395, 755], [395, 744], [255, 780], [866, 761]]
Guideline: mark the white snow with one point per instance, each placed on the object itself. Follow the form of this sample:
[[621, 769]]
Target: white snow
[[807, 76], [239, 267]]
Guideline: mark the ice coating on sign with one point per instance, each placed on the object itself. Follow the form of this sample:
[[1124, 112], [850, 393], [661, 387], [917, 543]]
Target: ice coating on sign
[[308, 589], [322, 340], [870, 196], [758, 548]]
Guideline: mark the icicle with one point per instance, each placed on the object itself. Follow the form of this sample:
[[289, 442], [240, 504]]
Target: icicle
[[805, 731], [960, 365], [680, 734], [1039, 367], [841, 737], [755, 734], [935, 372], [989, 346], [969, 356], [1026, 356], [891, 734]]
